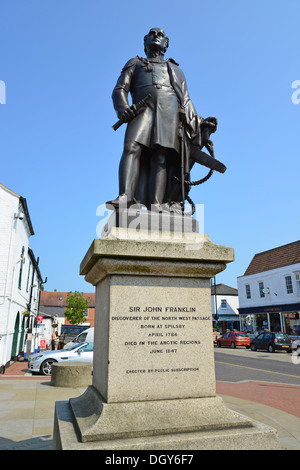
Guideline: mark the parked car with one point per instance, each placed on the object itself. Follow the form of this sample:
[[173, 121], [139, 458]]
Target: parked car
[[296, 344], [86, 336], [42, 362], [68, 333], [234, 339], [272, 342]]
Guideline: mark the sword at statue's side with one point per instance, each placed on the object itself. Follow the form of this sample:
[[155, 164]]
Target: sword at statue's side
[[134, 107]]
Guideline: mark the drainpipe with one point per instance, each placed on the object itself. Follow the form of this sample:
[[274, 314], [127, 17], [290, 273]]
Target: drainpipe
[[216, 306]]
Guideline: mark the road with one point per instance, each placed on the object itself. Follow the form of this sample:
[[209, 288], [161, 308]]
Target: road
[[271, 379], [236, 365]]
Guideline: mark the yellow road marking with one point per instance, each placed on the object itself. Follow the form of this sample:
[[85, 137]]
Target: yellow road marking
[[261, 370]]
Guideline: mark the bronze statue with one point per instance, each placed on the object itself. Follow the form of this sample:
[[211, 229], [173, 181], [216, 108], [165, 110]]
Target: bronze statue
[[164, 135]]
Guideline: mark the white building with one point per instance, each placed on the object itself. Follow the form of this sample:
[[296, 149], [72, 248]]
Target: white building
[[20, 277], [269, 291], [224, 300]]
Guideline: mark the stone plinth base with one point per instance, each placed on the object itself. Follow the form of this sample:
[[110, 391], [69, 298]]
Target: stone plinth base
[[154, 385], [196, 427], [137, 219]]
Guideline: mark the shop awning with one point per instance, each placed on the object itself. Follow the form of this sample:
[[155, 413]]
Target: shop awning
[[270, 309], [228, 318]]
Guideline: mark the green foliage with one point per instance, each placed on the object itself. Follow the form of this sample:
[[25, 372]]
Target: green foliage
[[76, 307]]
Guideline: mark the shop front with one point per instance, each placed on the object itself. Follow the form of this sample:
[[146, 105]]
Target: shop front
[[227, 322], [283, 318]]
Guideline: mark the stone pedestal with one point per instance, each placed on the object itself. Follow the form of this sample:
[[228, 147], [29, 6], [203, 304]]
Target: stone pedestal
[[72, 374], [154, 381]]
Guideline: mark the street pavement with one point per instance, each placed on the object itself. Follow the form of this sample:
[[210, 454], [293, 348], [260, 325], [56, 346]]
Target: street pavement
[[27, 407]]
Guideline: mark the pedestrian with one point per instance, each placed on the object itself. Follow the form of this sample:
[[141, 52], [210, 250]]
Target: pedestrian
[[53, 340]]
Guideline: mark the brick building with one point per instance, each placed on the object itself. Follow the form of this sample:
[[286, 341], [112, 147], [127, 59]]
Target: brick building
[[54, 304]]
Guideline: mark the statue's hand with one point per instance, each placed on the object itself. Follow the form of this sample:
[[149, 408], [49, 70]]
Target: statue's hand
[[129, 113], [210, 147], [210, 123]]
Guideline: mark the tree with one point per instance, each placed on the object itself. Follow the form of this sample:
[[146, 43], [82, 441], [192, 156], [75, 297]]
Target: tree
[[76, 307]]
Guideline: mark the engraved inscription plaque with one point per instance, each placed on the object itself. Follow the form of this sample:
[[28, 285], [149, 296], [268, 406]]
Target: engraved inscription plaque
[[160, 342]]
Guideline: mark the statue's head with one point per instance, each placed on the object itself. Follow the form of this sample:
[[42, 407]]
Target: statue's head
[[156, 40]]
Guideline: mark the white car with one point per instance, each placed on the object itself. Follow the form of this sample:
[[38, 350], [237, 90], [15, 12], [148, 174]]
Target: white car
[[87, 336], [42, 362], [296, 344]]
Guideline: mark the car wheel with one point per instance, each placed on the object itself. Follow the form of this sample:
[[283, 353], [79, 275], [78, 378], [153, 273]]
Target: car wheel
[[232, 345], [253, 348], [271, 348], [47, 366], [218, 344]]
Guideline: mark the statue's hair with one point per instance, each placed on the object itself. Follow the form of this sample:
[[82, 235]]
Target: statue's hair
[[145, 39]]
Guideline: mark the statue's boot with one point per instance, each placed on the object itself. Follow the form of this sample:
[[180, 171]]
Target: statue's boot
[[121, 202]]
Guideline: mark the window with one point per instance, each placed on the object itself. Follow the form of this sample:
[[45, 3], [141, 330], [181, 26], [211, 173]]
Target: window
[[81, 338], [261, 289], [288, 284], [87, 348], [297, 283], [248, 291], [21, 268], [223, 303], [29, 270]]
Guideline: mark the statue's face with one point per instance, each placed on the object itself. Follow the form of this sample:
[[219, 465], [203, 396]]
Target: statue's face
[[156, 40]]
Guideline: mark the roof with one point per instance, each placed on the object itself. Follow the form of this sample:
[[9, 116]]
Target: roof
[[276, 258], [9, 191], [25, 208], [222, 289], [24, 205], [58, 312], [59, 299], [35, 263]]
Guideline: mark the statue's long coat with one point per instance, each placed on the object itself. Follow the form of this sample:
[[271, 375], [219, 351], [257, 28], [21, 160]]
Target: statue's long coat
[[157, 124]]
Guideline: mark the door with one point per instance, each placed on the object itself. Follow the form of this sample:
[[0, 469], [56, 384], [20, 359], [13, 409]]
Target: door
[[229, 339], [85, 354], [14, 351], [224, 339], [259, 340], [267, 340]]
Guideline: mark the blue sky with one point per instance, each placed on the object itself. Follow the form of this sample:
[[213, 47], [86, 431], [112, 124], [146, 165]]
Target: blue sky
[[60, 60]]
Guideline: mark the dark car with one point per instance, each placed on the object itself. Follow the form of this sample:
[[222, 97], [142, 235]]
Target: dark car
[[272, 342]]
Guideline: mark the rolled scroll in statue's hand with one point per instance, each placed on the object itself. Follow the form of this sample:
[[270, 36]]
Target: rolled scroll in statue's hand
[[129, 116]]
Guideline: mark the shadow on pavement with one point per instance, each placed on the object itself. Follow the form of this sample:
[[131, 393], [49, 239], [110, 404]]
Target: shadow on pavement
[[35, 443]]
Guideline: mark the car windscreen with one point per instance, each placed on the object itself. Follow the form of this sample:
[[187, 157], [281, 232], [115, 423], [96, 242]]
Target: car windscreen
[[76, 345], [240, 334], [282, 336], [72, 329]]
